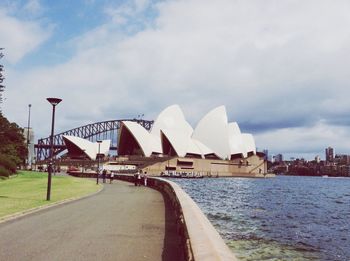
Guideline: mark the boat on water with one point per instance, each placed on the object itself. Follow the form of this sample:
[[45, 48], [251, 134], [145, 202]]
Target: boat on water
[[324, 176]]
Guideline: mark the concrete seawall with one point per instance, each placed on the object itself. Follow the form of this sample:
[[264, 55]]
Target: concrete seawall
[[200, 240]]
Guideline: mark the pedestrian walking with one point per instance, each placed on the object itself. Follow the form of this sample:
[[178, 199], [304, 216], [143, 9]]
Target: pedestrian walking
[[145, 179], [139, 178], [135, 179], [111, 177], [104, 173]]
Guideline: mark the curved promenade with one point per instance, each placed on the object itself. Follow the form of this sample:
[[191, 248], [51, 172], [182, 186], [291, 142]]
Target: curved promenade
[[123, 222], [199, 239]]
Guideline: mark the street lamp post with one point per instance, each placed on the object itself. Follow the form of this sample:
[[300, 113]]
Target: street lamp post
[[54, 102], [28, 142], [98, 160]]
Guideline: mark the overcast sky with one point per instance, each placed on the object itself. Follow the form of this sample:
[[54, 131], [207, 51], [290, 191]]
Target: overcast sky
[[281, 68]]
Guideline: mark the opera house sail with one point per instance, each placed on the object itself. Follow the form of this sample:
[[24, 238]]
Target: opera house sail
[[214, 147], [214, 139], [78, 147]]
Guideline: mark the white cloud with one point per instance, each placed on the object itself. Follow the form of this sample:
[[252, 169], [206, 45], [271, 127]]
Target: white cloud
[[20, 37], [122, 14], [33, 6], [282, 64]]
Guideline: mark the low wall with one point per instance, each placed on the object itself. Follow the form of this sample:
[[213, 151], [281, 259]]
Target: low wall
[[247, 167], [201, 241]]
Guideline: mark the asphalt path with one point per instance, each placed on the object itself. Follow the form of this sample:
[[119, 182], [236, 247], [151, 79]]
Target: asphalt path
[[122, 222]]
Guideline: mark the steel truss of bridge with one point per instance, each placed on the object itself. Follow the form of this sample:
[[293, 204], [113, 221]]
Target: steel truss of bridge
[[92, 132]]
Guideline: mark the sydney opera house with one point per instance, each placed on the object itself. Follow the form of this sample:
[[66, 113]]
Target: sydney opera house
[[215, 147], [77, 146]]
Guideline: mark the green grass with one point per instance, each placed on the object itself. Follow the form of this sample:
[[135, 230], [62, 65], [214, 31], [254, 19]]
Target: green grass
[[28, 190]]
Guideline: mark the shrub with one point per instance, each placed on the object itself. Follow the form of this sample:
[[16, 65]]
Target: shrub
[[4, 172], [7, 163]]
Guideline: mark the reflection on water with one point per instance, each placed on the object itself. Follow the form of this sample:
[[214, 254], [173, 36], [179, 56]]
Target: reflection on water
[[284, 218]]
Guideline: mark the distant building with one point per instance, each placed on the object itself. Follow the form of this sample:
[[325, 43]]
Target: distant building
[[30, 136], [342, 159], [278, 158], [317, 159], [266, 152], [329, 154]]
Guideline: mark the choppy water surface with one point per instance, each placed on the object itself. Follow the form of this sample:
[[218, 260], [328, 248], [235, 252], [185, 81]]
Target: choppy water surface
[[283, 218]]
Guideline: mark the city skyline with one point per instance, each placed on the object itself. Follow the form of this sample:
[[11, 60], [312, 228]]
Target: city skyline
[[328, 155], [280, 68]]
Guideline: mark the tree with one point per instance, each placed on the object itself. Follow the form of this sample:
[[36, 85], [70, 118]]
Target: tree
[[13, 150], [2, 87]]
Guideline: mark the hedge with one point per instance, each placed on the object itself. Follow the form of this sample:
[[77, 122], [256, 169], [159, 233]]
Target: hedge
[[7, 164], [4, 172]]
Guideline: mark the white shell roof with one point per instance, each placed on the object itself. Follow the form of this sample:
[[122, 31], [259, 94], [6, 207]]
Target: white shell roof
[[141, 135], [171, 118], [178, 140], [212, 130], [249, 142], [195, 147], [88, 147], [182, 143], [203, 148], [147, 143], [104, 147], [213, 134], [172, 123], [236, 140]]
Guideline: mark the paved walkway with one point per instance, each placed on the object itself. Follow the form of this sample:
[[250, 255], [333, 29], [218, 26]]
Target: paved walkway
[[123, 222]]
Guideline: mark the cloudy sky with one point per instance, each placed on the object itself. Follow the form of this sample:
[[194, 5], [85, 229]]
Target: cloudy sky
[[281, 68]]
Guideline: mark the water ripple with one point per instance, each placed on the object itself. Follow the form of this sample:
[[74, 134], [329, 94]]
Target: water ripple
[[285, 218]]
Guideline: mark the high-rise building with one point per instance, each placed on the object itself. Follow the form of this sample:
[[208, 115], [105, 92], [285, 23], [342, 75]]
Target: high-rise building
[[329, 154], [31, 153], [266, 152], [278, 158]]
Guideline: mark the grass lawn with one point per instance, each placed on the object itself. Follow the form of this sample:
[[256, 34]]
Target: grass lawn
[[28, 190]]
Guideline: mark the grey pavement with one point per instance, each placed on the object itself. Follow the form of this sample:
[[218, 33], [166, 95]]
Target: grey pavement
[[123, 222]]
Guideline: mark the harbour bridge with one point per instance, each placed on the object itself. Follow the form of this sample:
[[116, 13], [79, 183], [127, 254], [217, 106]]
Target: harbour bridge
[[92, 132]]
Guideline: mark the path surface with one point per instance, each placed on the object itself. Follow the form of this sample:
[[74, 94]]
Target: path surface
[[123, 222]]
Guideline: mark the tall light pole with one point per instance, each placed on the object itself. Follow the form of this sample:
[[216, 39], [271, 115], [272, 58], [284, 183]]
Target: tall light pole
[[54, 102], [98, 160], [28, 142]]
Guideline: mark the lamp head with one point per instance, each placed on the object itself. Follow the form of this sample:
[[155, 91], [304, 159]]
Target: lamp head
[[99, 141], [54, 101]]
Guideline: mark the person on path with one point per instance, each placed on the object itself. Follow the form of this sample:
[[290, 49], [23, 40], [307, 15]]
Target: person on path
[[139, 178], [111, 177], [135, 178], [145, 179], [104, 172]]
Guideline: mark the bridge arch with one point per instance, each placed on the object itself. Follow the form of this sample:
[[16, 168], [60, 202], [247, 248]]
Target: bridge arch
[[92, 132]]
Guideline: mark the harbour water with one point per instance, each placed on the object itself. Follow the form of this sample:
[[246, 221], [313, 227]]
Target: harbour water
[[282, 218]]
